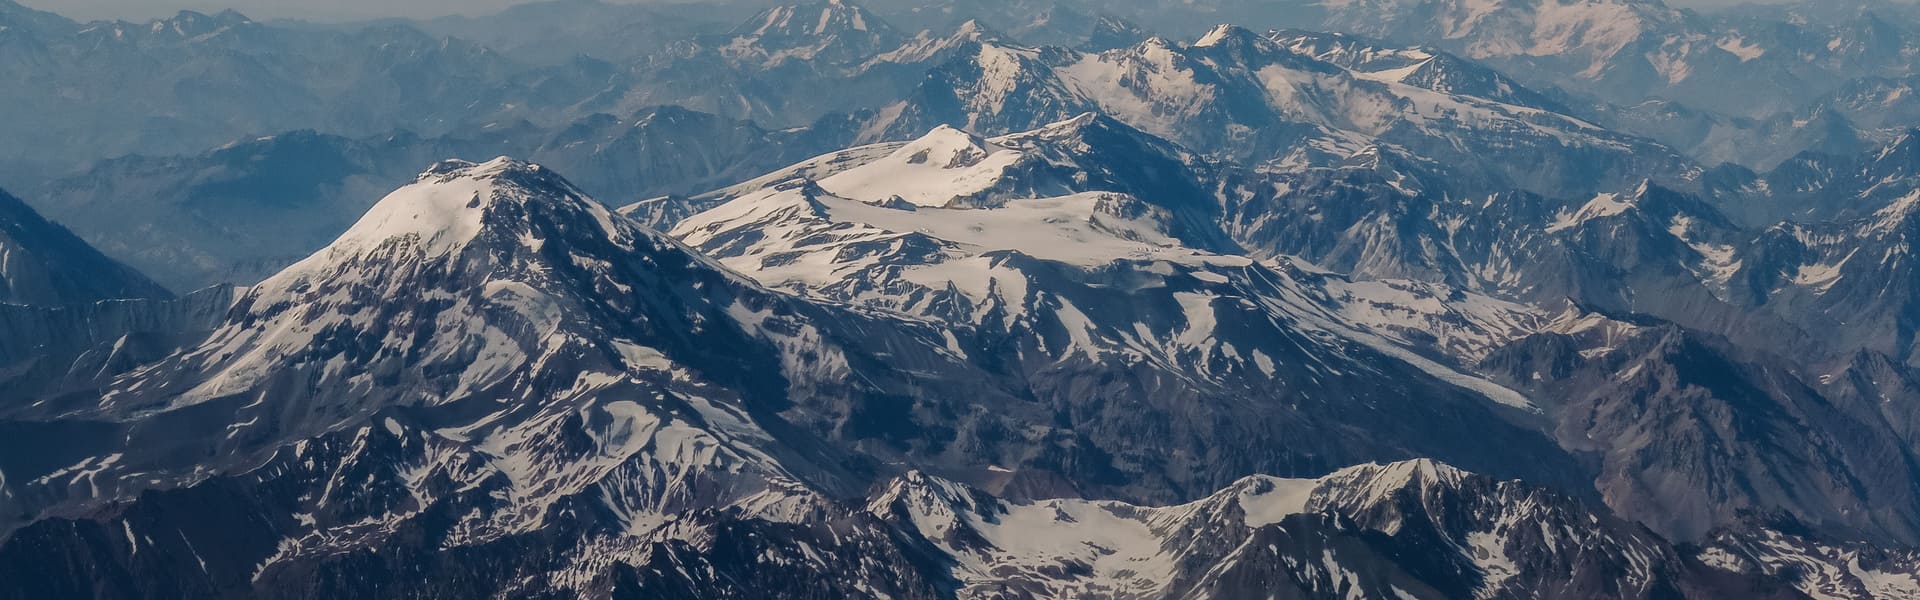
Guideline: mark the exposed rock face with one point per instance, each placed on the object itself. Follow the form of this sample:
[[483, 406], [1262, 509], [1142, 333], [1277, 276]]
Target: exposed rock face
[[1414, 529]]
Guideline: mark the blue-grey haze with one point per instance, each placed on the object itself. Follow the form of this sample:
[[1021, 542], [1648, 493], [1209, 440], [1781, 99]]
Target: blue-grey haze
[[355, 9]]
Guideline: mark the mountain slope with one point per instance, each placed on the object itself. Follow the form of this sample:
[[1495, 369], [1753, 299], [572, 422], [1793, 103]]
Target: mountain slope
[[71, 317], [41, 263], [1347, 534], [1077, 271], [194, 81], [479, 284], [46, 351], [1628, 51], [1239, 95], [1416, 529], [977, 234], [489, 368], [787, 66]]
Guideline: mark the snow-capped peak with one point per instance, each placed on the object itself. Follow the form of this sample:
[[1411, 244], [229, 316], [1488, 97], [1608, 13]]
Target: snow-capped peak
[[972, 29], [946, 143], [1234, 38], [933, 170], [1599, 207], [1219, 34], [818, 19], [1379, 481], [446, 206]]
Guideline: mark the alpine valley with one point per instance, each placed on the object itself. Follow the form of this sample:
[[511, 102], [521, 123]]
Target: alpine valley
[[1024, 299]]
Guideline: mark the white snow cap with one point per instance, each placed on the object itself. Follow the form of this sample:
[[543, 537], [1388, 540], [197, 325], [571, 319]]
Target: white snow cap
[[443, 212], [1220, 34], [443, 208]]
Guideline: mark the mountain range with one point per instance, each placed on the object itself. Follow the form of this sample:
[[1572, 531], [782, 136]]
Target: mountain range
[[1011, 299]]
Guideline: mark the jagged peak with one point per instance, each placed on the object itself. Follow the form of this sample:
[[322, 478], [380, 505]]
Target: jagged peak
[[1380, 480], [1088, 126], [1228, 34], [827, 17], [1265, 499], [1110, 32], [1896, 214], [1648, 199], [1154, 43], [1601, 206], [1323, 44], [192, 23], [1647, 190], [1074, 125], [930, 43], [499, 168], [1904, 147], [231, 16], [925, 496], [973, 29]]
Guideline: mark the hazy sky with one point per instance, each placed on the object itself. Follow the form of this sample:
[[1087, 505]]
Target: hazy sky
[[268, 9], [342, 9]]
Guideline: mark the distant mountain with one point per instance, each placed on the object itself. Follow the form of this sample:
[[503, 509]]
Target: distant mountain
[[488, 357], [236, 213], [1753, 87], [557, 31], [1627, 51], [195, 81], [71, 317], [923, 299], [1421, 67], [789, 65], [496, 381], [1277, 104], [22, 20], [242, 212], [829, 32], [206, 80], [1705, 136], [41, 263], [1070, 23]]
